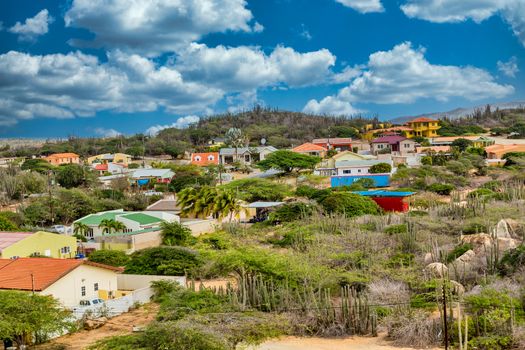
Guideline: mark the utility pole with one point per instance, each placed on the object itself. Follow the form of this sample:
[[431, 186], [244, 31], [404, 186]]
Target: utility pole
[[51, 208], [33, 283], [445, 315]]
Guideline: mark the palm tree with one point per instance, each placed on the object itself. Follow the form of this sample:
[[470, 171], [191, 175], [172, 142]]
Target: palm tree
[[205, 201], [118, 226], [226, 204], [80, 229], [186, 200], [105, 225], [235, 138]]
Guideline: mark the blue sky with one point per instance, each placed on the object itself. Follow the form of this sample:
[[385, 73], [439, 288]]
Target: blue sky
[[101, 67]]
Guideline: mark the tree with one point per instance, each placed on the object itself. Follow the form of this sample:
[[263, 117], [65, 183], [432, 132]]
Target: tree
[[235, 138], [255, 189], [349, 204], [380, 168], [109, 257], [174, 233], [80, 229], [168, 261], [288, 161], [7, 225], [71, 175], [37, 164], [461, 144], [25, 316], [107, 225], [227, 205]]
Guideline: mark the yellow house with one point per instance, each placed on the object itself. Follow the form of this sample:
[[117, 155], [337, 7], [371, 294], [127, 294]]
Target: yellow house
[[400, 130], [45, 244], [120, 158], [69, 280], [424, 127]]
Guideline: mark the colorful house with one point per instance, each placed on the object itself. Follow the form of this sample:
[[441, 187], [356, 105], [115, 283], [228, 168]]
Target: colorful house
[[63, 158], [112, 168], [120, 158], [389, 200], [399, 130], [144, 176], [28, 244], [133, 221], [347, 163], [337, 143], [205, 158], [310, 149], [477, 141], [68, 280], [424, 127], [245, 155], [393, 144], [380, 180], [498, 151]]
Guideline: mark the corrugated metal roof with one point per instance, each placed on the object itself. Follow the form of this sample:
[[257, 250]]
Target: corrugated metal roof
[[264, 204], [9, 238], [141, 218], [241, 150], [152, 173], [383, 193]]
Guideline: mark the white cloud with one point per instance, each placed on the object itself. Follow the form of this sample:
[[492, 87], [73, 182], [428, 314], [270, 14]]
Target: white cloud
[[403, 75], [440, 11], [181, 123], [347, 75], [33, 27], [65, 86], [305, 33], [246, 68], [509, 68], [257, 27], [242, 101], [330, 105], [156, 26], [363, 6], [107, 132]]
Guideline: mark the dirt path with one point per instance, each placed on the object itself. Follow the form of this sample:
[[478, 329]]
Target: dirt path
[[347, 343], [119, 325]]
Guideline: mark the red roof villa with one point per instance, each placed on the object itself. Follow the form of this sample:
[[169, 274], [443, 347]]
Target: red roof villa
[[393, 144]]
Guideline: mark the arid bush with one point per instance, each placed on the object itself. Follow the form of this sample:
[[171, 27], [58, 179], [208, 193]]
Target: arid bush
[[386, 291], [413, 328]]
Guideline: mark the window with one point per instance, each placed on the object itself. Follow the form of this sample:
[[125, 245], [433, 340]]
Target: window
[[347, 171], [358, 170], [197, 158], [83, 291], [95, 287], [211, 158], [65, 250], [247, 158]]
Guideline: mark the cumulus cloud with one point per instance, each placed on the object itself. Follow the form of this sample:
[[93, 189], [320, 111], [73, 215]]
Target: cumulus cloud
[[441, 11], [156, 26], [330, 105], [509, 68], [257, 27], [33, 27], [181, 123], [363, 6], [65, 86], [347, 74], [246, 68], [107, 132], [403, 75]]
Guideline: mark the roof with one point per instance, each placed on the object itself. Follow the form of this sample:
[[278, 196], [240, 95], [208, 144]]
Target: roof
[[383, 193], [391, 139], [39, 273], [308, 147], [7, 239], [141, 218], [96, 219], [394, 128], [453, 138], [358, 163], [204, 158], [334, 140], [437, 149], [264, 204], [101, 167], [231, 151], [153, 173], [163, 205], [63, 155], [422, 120]]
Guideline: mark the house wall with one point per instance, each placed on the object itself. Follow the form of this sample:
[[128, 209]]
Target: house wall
[[407, 146], [354, 170], [199, 227], [45, 243], [376, 147], [392, 203], [68, 289], [380, 180], [134, 282]]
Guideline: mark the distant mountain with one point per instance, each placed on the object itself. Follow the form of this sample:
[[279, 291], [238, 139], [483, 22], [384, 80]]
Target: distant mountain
[[460, 112]]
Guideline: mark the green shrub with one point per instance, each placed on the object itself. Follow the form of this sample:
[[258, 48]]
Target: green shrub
[[216, 241], [473, 228], [400, 260], [306, 191], [483, 193], [492, 342], [440, 188], [174, 233], [7, 225], [169, 261], [491, 185], [380, 168], [349, 204], [392, 229], [255, 189], [109, 257], [291, 212], [299, 240], [458, 251], [513, 260]]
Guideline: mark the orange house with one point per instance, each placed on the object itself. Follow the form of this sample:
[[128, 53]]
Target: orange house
[[205, 158], [310, 149], [63, 158], [498, 151]]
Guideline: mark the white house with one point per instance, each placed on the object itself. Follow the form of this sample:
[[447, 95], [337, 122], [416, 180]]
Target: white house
[[245, 155], [348, 163], [68, 280]]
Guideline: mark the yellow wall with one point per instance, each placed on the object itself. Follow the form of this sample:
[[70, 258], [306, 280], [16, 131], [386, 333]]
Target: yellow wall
[[120, 158], [425, 129], [44, 243]]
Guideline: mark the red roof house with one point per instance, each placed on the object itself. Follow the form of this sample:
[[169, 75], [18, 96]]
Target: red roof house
[[310, 149], [337, 143], [393, 143], [205, 158]]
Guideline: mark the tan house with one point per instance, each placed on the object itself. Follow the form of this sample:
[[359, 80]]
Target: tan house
[[63, 158], [310, 149], [498, 151], [394, 144], [68, 280], [119, 158]]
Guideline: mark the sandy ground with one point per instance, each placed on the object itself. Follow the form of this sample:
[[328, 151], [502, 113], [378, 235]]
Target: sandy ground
[[119, 325], [349, 343], [504, 141]]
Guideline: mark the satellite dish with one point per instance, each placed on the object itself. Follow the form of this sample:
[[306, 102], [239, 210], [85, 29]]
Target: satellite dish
[[263, 141]]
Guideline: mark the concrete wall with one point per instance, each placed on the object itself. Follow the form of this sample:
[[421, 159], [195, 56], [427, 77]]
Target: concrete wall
[[199, 226], [133, 282]]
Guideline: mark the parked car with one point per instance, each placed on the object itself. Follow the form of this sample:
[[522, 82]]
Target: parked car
[[95, 306], [152, 193], [58, 229]]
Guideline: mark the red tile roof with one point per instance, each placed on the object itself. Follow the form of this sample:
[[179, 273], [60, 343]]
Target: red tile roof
[[334, 141], [392, 139], [101, 167], [38, 273], [422, 120], [63, 155], [308, 147], [205, 158], [9, 238]]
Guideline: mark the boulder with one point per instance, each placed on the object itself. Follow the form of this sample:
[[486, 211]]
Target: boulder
[[436, 269], [477, 240], [457, 288], [505, 244], [95, 323], [466, 257], [428, 258], [502, 230]]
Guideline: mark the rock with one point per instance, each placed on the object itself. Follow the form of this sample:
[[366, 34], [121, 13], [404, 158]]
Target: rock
[[95, 323], [477, 240], [466, 257], [457, 288], [428, 258], [502, 229], [437, 269], [505, 244]]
